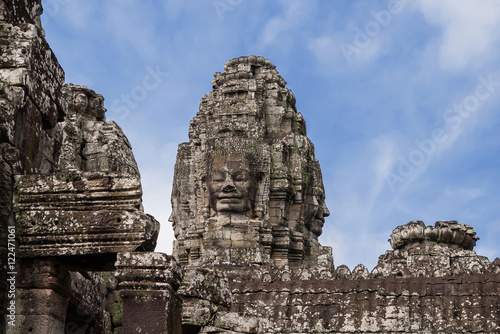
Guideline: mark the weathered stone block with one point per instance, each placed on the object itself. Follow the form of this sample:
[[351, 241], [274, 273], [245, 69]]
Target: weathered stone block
[[43, 302], [43, 274], [236, 322], [148, 311], [152, 271], [36, 324], [114, 305], [83, 218]]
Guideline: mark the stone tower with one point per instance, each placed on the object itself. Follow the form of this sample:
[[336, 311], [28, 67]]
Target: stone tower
[[247, 187]]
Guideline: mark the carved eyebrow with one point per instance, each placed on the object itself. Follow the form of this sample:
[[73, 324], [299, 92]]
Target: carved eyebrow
[[218, 174], [240, 173]]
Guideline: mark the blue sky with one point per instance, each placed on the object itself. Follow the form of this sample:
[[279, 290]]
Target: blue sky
[[401, 99]]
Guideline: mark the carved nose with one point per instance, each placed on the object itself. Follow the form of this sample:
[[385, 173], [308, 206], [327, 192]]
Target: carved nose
[[323, 212], [326, 212], [228, 185]]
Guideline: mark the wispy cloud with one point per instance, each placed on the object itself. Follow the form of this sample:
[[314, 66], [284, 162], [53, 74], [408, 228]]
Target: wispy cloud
[[333, 53], [469, 30], [133, 23], [294, 15], [412, 164]]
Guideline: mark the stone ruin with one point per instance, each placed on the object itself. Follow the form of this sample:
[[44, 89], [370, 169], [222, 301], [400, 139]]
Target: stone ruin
[[248, 205], [247, 187]]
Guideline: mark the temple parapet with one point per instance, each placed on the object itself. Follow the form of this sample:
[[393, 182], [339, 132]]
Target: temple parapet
[[449, 233], [445, 249]]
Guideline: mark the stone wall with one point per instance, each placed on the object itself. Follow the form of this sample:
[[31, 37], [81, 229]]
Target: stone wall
[[462, 304], [431, 282]]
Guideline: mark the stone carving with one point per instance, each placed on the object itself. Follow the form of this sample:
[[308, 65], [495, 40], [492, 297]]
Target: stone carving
[[234, 177], [445, 249], [360, 272], [248, 206], [342, 272], [94, 189], [81, 214], [445, 232], [247, 187], [89, 141]]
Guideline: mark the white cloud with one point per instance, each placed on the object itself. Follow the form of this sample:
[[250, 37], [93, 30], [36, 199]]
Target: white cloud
[[157, 187], [361, 41], [292, 19], [358, 201], [327, 51], [469, 30], [384, 161], [464, 193], [356, 245], [156, 179], [134, 24]]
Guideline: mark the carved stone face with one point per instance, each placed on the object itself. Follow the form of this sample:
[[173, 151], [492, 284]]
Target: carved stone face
[[316, 209], [230, 184]]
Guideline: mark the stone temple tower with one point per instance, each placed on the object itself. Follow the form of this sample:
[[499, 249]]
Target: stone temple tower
[[247, 186]]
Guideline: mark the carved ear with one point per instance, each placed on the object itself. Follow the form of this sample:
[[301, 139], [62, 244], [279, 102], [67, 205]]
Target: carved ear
[[207, 209], [206, 199], [259, 205]]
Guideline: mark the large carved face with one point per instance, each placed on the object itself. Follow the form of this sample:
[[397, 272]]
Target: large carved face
[[230, 184], [315, 206], [316, 213]]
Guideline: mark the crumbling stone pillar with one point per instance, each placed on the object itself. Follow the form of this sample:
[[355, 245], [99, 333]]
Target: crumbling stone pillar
[[148, 288], [42, 298]]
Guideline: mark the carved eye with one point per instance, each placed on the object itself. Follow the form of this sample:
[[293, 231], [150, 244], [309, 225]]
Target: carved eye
[[321, 195], [240, 176], [219, 177]]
